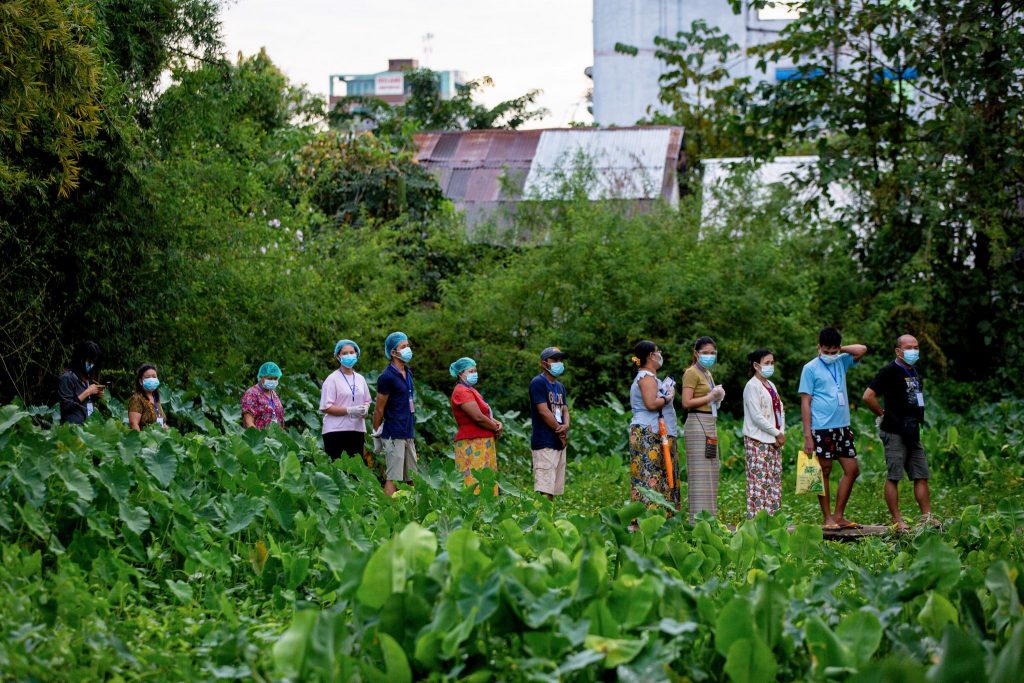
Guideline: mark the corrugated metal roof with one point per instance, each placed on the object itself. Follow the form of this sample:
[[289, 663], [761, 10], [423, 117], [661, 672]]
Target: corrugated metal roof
[[483, 169]]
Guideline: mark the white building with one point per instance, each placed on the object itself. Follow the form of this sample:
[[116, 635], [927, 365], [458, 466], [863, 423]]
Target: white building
[[625, 86]]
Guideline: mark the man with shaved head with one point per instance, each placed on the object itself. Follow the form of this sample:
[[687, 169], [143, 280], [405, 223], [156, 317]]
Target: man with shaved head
[[901, 388]]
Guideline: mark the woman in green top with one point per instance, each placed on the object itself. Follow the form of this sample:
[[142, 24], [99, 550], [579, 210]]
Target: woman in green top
[[144, 407], [702, 397]]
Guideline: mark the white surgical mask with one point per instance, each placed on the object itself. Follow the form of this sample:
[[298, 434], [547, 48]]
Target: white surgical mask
[[767, 371]]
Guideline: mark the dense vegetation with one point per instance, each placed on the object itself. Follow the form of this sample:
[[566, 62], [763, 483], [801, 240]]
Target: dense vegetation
[[217, 553]]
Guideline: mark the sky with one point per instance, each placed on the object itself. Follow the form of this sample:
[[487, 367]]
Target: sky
[[520, 44]]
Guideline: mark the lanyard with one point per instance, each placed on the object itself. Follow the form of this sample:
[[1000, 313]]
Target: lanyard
[[351, 386], [707, 375], [407, 378], [552, 391], [835, 375], [270, 402]]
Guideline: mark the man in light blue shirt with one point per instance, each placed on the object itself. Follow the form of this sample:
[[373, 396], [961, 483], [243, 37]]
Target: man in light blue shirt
[[825, 408]]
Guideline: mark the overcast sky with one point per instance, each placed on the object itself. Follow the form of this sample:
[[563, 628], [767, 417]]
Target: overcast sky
[[521, 44]]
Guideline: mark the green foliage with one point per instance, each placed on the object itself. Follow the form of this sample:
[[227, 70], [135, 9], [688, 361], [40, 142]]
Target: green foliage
[[218, 553]]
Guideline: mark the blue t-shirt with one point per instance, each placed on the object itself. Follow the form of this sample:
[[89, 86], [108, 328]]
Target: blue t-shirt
[[543, 391], [826, 384], [399, 416]]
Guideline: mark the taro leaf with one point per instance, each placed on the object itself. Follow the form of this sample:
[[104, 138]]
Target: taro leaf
[[464, 554], [239, 512], [296, 568], [735, 622], [116, 477], [396, 664], [677, 628], [1007, 665], [616, 650], [936, 613], [136, 518], [290, 649], [891, 670], [394, 562], [1012, 511], [962, 658], [181, 590], [805, 542], [161, 463], [631, 599], [861, 633], [592, 570], [580, 660], [11, 415], [327, 491], [630, 512], [770, 611], [33, 482], [750, 661], [34, 521], [1001, 585], [76, 481], [548, 606], [937, 566], [452, 641], [290, 467], [282, 507], [826, 649]]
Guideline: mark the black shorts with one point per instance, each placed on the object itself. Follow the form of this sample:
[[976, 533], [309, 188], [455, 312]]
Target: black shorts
[[834, 443], [349, 443]]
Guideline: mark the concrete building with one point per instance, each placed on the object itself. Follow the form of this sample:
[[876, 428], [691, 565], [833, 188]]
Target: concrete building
[[625, 86], [389, 85]]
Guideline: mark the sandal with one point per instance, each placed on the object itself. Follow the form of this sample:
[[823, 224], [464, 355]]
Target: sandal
[[830, 527], [850, 525]]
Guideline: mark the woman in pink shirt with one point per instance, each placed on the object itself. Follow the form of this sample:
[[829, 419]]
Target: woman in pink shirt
[[345, 402]]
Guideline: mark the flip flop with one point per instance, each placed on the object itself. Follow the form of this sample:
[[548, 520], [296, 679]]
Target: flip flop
[[850, 525], [830, 527]]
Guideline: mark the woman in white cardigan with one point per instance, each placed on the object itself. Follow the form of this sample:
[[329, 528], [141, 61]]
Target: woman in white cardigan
[[764, 433]]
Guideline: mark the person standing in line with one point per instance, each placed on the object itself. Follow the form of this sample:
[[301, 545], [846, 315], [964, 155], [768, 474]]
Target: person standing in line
[[77, 385], [702, 398], [901, 388], [144, 406], [649, 399], [345, 403], [825, 410], [394, 413], [478, 430], [549, 415], [764, 434], [261, 406]]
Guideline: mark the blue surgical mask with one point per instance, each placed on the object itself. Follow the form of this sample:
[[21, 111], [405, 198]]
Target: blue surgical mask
[[89, 366], [767, 371], [405, 354], [910, 356], [556, 369], [829, 359], [270, 384], [472, 377], [349, 359], [707, 359], [151, 384]]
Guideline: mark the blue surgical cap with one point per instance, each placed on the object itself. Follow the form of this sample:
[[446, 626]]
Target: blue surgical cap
[[393, 340], [269, 369], [346, 342], [459, 366]]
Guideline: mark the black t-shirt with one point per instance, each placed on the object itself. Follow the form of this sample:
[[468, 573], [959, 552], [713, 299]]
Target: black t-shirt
[[899, 388]]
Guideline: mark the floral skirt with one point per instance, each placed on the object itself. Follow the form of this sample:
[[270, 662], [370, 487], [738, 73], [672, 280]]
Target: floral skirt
[[647, 464], [474, 454], [764, 476]]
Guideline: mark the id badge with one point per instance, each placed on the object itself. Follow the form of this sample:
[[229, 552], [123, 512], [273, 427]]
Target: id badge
[[160, 421], [88, 409], [558, 414], [920, 399], [412, 405], [842, 398]]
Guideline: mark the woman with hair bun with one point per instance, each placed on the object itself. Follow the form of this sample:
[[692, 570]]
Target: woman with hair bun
[[764, 433], [650, 398], [702, 398]]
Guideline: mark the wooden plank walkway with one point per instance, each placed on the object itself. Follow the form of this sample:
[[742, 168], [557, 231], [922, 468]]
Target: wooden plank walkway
[[845, 535]]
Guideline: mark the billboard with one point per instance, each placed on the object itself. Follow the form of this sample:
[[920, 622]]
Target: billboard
[[389, 84]]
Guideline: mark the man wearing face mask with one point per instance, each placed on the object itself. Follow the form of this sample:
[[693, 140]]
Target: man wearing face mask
[[550, 417], [394, 414], [902, 390], [825, 409], [261, 406]]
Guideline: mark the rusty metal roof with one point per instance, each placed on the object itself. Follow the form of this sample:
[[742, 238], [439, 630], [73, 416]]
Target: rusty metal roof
[[485, 167]]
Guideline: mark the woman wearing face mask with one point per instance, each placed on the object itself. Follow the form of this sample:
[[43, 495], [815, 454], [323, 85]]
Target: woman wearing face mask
[[478, 430], [764, 433], [650, 397], [144, 407], [261, 406], [702, 398], [77, 387], [345, 403]]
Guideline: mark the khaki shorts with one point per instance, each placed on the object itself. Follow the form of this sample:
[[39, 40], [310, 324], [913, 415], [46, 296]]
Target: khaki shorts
[[400, 459], [549, 471], [900, 459]]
